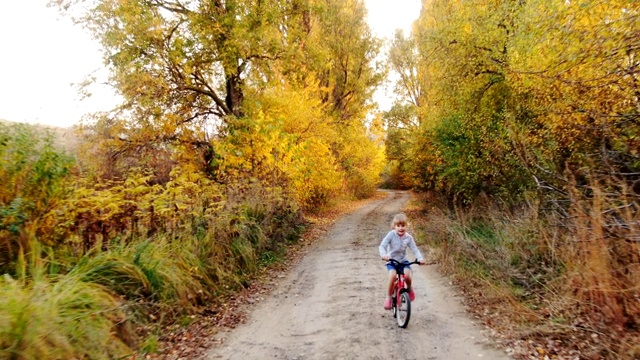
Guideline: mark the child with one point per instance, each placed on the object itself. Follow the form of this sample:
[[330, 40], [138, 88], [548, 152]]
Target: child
[[394, 246]]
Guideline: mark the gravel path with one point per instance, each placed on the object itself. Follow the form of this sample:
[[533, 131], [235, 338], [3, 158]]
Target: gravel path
[[329, 306]]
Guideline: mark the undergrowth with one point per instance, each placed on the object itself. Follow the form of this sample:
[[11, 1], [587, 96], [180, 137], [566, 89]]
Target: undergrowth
[[111, 303], [527, 278]]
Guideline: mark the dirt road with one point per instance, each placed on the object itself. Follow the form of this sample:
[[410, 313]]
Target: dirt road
[[330, 305]]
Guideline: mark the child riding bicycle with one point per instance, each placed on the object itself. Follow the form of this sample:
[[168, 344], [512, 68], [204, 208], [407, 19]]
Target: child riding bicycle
[[394, 246]]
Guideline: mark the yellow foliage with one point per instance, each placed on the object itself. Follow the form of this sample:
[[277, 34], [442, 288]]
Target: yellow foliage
[[575, 61], [285, 141], [98, 213]]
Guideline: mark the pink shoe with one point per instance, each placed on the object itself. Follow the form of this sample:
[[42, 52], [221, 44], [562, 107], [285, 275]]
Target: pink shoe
[[387, 303], [412, 295]]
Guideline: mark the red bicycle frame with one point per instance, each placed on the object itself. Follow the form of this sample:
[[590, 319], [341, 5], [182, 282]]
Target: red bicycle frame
[[401, 303]]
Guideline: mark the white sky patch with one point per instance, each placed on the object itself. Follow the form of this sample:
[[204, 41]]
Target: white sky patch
[[42, 54], [385, 17]]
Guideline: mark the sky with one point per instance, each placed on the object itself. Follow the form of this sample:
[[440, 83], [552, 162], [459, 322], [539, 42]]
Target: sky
[[43, 55]]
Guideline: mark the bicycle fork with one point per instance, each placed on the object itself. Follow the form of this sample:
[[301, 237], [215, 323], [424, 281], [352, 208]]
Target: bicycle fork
[[400, 287]]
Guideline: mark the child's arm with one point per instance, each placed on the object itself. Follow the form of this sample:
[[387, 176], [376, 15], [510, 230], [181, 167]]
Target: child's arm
[[383, 247], [416, 251]]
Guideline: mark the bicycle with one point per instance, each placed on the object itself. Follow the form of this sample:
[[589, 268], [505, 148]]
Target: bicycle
[[400, 301]]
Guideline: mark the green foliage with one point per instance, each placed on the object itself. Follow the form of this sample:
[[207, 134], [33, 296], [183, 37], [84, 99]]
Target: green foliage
[[451, 126], [402, 125], [150, 344], [268, 258], [477, 158], [13, 216], [33, 174], [116, 271], [31, 168]]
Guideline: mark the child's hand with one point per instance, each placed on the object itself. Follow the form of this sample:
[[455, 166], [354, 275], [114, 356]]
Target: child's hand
[[385, 258], [422, 262]]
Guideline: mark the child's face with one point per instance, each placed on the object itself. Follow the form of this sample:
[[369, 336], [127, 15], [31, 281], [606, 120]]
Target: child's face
[[400, 228]]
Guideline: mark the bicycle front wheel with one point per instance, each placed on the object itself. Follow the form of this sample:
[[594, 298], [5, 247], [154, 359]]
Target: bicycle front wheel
[[403, 310]]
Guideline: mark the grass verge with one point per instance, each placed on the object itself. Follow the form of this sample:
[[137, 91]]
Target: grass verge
[[518, 274]]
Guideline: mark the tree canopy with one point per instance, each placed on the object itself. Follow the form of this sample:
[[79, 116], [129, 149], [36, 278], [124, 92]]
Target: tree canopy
[[270, 89]]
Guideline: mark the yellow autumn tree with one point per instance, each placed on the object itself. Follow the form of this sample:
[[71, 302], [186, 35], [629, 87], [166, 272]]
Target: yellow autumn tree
[[542, 95], [453, 68], [574, 65]]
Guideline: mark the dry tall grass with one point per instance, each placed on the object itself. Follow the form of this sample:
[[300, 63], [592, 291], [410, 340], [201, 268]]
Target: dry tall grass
[[59, 318], [544, 278]]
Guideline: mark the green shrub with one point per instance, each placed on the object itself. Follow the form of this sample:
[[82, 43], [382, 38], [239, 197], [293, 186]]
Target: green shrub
[[32, 174], [478, 158]]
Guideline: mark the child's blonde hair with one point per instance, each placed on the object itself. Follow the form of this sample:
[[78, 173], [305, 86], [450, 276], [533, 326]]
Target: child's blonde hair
[[399, 219]]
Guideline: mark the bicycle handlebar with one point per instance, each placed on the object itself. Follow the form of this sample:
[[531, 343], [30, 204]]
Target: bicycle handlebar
[[400, 266], [396, 262]]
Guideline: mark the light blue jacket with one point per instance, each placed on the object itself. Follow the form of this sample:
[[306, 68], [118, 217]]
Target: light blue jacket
[[396, 247]]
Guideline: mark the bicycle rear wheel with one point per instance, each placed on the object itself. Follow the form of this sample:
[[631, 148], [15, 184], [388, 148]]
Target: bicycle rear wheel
[[403, 313]]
